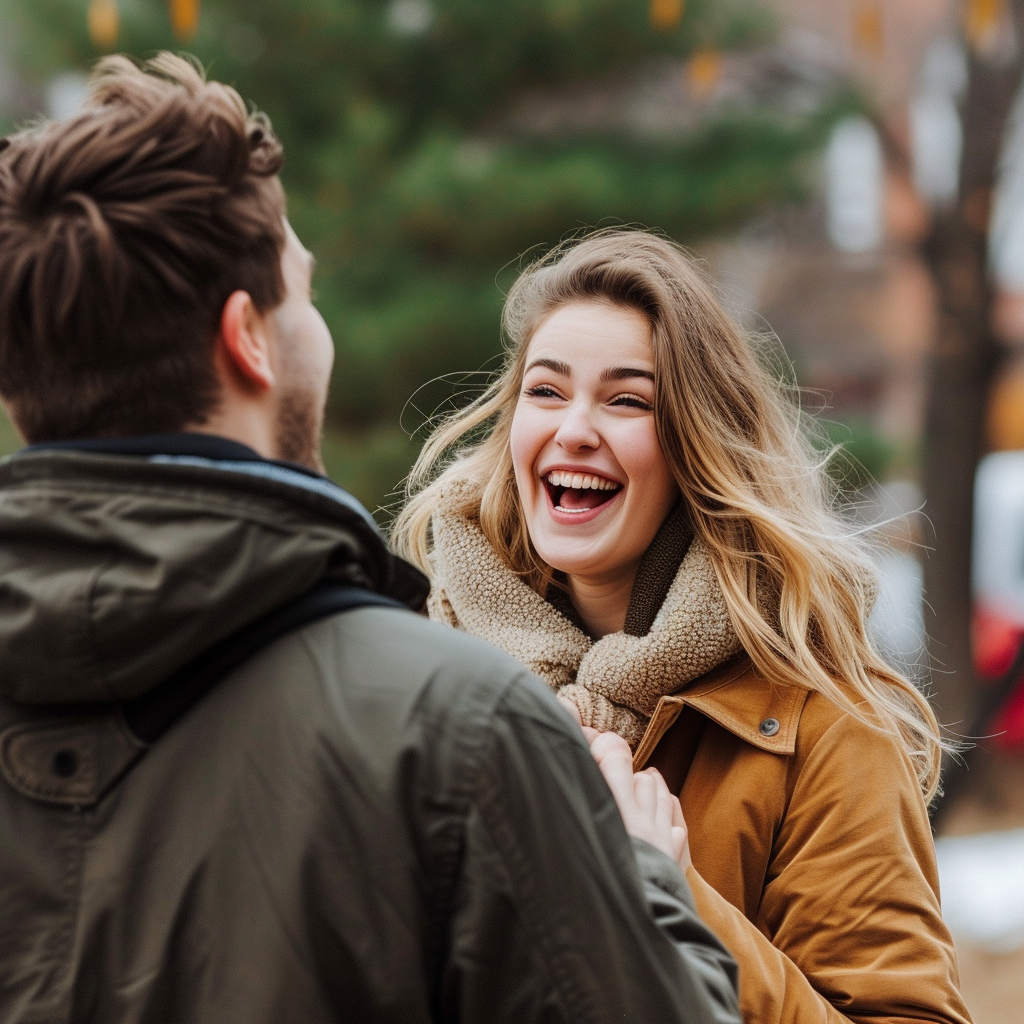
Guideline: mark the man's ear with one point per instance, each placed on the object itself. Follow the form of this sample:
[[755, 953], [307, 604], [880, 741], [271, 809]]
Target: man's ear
[[244, 343]]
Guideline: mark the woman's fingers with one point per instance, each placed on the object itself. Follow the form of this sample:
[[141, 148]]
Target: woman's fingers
[[680, 836], [665, 802], [680, 845], [645, 793], [677, 815], [610, 745], [614, 758], [649, 811]]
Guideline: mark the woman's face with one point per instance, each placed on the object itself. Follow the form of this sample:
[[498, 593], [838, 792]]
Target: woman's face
[[592, 479]]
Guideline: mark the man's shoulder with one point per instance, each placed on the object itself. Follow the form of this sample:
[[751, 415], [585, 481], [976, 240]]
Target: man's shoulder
[[393, 657], [387, 685], [393, 634]]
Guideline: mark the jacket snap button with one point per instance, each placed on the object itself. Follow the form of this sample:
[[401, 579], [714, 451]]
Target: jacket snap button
[[769, 727], [64, 764]]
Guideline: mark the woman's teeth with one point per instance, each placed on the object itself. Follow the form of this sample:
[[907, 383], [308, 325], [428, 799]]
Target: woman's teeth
[[581, 481]]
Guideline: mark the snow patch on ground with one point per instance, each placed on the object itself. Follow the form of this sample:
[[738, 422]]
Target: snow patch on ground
[[982, 884]]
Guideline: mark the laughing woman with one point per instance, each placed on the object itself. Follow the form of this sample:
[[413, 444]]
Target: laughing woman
[[632, 510]]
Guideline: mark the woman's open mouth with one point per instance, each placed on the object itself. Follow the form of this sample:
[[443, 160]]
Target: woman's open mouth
[[578, 493]]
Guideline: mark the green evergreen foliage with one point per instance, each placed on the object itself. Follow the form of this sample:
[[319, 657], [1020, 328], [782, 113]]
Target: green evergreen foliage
[[414, 188]]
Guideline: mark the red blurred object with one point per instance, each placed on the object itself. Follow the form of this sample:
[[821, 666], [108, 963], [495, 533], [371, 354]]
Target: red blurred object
[[997, 640], [1008, 726]]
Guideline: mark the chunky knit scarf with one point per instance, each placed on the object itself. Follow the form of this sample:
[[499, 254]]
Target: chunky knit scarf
[[677, 627]]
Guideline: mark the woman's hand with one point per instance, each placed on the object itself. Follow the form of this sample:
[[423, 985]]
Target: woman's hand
[[648, 809]]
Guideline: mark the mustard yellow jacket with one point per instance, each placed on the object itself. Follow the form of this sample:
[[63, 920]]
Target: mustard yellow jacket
[[812, 855]]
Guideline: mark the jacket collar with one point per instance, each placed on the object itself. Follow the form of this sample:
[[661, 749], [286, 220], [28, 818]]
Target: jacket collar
[[211, 450], [738, 698], [208, 446]]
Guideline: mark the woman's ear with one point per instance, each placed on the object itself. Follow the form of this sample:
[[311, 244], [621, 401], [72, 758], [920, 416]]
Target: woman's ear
[[243, 342]]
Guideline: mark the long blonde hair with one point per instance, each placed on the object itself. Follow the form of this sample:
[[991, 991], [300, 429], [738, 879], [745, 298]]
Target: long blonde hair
[[796, 580]]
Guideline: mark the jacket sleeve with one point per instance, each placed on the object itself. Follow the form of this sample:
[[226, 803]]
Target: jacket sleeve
[[557, 916], [850, 923]]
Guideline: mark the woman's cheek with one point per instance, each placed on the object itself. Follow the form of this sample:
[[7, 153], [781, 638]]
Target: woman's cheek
[[523, 448]]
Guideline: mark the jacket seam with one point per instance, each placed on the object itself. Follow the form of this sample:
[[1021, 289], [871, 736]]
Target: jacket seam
[[578, 1005], [251, 846], [90, 603], [73, 881]]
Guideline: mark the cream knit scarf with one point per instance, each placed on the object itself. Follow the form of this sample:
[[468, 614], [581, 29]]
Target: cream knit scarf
[[616, 681]]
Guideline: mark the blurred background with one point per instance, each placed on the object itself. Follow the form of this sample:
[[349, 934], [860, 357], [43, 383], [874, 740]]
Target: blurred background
[[851, 173]]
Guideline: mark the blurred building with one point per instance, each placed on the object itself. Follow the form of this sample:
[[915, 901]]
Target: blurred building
[[841, 281]]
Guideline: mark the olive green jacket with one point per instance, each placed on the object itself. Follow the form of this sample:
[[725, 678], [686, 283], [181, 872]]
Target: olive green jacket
[[373, 819]]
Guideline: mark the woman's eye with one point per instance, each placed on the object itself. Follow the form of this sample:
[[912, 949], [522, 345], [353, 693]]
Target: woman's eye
[[633, 401], [541, 391]]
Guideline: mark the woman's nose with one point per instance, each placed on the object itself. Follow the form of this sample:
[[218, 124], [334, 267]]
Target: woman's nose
[[577, 431]]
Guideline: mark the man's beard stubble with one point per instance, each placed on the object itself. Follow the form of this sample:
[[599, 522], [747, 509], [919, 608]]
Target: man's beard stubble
[[300, 419]]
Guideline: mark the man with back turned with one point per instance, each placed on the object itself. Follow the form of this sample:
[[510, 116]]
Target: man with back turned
[[241, 780]]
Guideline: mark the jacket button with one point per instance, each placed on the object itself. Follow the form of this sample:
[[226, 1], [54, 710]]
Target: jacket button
[[769, 727], [64, 764]]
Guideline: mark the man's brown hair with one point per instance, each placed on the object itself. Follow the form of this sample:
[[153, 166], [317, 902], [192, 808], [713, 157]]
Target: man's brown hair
[[122, 233]]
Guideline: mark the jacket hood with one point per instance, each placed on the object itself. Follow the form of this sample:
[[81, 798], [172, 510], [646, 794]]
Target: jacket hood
[[116, 570]]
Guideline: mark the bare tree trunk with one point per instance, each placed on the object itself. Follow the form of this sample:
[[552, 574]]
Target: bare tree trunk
[[961, 371]]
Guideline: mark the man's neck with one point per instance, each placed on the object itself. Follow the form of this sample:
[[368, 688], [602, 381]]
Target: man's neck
[[248, 425]]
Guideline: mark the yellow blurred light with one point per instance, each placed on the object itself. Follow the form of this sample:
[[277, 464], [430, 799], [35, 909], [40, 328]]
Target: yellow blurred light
[[103, 25], [702, 71], [982, 19], [185, 18], [666, 15], [868, 28], [1005, 426]]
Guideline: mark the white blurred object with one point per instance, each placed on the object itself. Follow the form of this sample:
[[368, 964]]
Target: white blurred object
[[937, 140], [936, 132], [945, 68], [65, 95], [981, 878], [1006, 239], [998, 555], [1006, 245], [896, 624], [854, 184], [410, 17]]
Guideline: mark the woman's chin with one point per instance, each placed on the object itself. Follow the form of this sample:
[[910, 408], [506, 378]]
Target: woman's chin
[[565, 559]]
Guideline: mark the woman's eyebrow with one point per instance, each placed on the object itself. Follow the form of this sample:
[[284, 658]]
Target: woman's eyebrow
[[562, 369], [625, 373]]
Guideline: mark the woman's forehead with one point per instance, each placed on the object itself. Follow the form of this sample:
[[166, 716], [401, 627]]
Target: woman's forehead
[[591, 332]]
